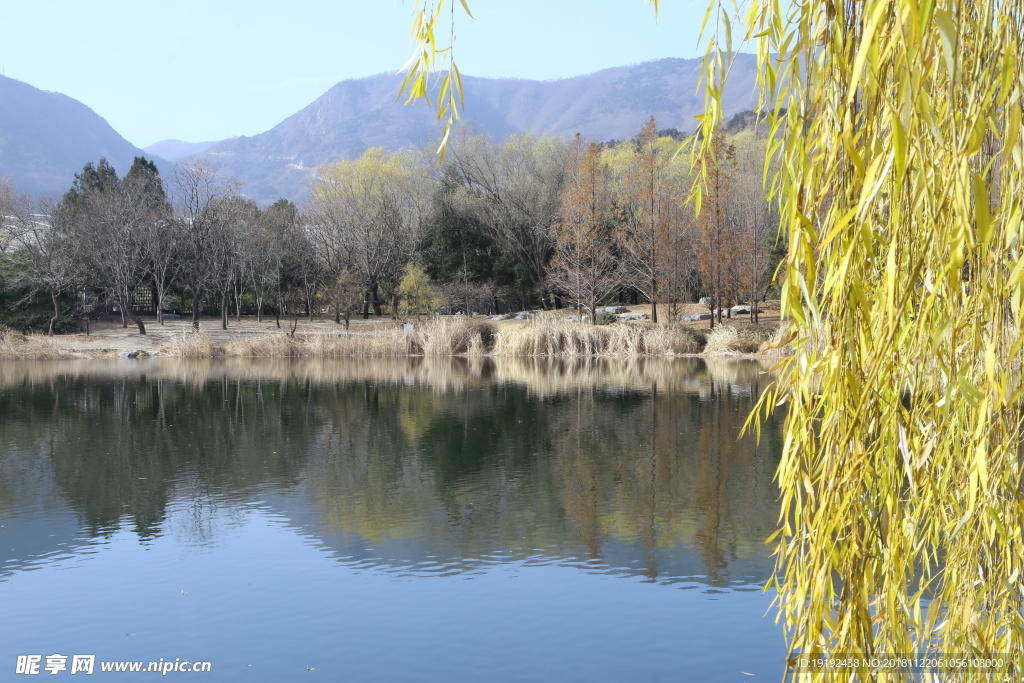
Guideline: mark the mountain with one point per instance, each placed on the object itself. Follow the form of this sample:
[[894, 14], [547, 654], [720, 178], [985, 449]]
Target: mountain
[[172, 150], [361, 113], [46, 137]]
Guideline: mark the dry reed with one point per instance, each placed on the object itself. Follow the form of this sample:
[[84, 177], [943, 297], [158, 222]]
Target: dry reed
[[451, 336], [546, 336], [321, 345], [18, 346], [729, 339], [193, 345]]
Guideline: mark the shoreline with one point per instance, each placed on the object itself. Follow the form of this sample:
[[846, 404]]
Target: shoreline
[[548, 334]]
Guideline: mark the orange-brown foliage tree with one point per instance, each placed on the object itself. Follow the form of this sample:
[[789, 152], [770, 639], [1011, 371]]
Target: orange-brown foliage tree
[[715, 243], [649, 209], [584, 267]]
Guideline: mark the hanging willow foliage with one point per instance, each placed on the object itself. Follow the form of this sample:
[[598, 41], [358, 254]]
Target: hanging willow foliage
[[900, 189], [898, 127]]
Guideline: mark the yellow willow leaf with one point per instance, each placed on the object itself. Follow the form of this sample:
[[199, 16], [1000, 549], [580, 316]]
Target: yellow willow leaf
[[866, 45], [1013, 125], [982, 210], [727, 29], [948, 36], [899, 139], [990, 361], [969, 392], [981, 464], [890, 280], [977, 137], [873, 180]]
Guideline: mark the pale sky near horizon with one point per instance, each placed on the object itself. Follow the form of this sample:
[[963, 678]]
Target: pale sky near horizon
[[210, 69]]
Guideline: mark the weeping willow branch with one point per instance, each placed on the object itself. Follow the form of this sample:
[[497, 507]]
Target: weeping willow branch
[[900, 188]]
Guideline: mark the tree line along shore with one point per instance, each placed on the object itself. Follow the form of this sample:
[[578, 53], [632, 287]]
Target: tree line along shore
[[534, 227]]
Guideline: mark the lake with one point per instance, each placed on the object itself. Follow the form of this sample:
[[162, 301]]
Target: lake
[[388, 520]]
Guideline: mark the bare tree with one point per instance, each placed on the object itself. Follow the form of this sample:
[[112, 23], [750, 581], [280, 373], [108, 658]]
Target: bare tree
[[46, 256], [512, 193], [108, 218], [226, 247], [277, 225], [161, 238], [200, 191], [14, 209]]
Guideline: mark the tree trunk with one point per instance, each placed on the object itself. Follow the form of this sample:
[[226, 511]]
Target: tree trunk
[[654, 310], [196, 297], [56, 312], [135, 319], [158, 299], [376, 301], [223, 310]]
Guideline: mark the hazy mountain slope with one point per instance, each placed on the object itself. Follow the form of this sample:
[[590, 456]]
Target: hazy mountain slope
[[357, 114], [46, 137], [172, 150]]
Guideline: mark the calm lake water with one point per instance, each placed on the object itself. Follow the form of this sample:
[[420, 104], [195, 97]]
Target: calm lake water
[[389, 520]]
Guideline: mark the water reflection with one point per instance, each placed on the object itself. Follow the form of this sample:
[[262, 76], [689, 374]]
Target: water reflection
[[419, 466]]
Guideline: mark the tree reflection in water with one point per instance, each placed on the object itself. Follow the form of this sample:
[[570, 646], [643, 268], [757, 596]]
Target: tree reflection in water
[[422, 465]]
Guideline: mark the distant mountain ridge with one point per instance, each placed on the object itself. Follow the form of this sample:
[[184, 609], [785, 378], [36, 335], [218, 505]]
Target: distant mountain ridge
[[361, 113], [172, 150], [47, 137]]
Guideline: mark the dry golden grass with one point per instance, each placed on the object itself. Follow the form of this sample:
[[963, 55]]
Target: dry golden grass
[[548, 336], [275, 345], [18, 346], [451, 336], [322, 345], [193, 345], [729, 339], [436, 337]]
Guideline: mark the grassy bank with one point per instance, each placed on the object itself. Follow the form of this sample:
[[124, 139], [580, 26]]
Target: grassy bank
[[434, 338], [18, 346], [453, 336]]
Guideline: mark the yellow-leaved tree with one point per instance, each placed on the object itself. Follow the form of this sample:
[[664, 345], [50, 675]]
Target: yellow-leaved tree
[[900, 188]]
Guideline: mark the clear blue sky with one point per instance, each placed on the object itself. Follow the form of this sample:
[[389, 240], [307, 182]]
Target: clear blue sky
[[210, 69]]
